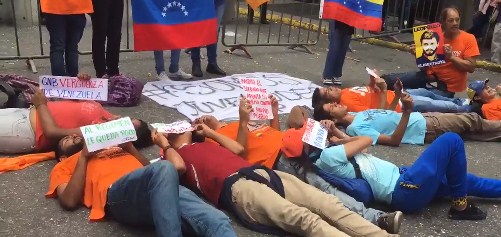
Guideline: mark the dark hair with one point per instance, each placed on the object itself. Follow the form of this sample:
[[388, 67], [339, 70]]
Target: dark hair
[[72, 150], [197, 138], [320, 114], [143, 136], [316, 98], [445, 12], [429, 35]]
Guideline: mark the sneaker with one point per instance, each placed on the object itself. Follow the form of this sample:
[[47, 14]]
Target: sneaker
[[472, 213], [391, 222], [327, 81], [163, 77], [337, 81], [180, 74]]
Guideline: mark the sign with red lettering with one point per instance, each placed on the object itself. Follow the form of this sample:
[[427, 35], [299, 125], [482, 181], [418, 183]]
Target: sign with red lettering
[[74, 88], [258, 97], [176, 127], [315, 134]]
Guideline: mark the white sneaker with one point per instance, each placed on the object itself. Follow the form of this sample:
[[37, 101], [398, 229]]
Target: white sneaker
[[180, 74], [163, 77]]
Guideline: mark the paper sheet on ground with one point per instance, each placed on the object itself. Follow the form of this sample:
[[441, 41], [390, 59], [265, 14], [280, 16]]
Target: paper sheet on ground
[[315, 134], [103, 135], [258, 97], [74, 88], [176, 127], [220, 96]]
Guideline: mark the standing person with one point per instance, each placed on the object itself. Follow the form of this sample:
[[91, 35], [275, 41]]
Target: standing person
[[339, 42], [106, 36], [174, 70], [65, 22], [496, 38], [262, 14], [212, 67]]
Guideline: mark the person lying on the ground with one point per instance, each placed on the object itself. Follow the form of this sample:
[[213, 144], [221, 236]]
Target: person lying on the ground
[[390, 128], [488, 98], [262, 146], [461, 52], [34, 129], [440, 171], [362, 98], [121, 183], [263, 200]]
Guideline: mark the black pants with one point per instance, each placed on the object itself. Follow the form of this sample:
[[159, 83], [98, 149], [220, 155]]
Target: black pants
[[106, 29]]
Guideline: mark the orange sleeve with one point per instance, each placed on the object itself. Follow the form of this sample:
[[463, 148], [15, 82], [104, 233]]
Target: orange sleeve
[[471, 47], [492, 112], [61, 174]]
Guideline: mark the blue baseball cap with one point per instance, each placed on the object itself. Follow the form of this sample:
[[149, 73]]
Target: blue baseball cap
[[476, 88]]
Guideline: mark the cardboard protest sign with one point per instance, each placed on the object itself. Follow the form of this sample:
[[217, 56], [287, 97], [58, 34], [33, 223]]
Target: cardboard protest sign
[[116, 132], [176, 127], [74, 88], [315, 134], [429, 41], [258, 97]]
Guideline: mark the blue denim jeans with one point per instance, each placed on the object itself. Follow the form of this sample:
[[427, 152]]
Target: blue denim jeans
[[428, 101], [339, 42], [175, 55], [440, 171], [152, 196], [65, 32], [414, 80], [295, 168], [211, 49]]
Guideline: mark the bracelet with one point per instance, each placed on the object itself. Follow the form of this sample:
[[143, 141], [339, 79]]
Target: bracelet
[[167, 147]]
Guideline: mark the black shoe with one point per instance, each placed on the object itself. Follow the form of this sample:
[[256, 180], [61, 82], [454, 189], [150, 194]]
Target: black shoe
[[390, 222], [196, 70], [214, 69], [471, 213]]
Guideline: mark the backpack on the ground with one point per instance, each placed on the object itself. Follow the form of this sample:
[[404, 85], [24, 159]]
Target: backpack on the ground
[[123, 91], [357, 188], [19, 90]]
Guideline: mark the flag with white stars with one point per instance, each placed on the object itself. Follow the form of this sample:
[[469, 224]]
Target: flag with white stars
[[173, 24], [362, 14]]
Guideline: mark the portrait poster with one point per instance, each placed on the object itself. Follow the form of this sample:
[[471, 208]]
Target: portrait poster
[[429, 43]]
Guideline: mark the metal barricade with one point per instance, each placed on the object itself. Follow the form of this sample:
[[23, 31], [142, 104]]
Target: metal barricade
[[292, 23], [25, 49]]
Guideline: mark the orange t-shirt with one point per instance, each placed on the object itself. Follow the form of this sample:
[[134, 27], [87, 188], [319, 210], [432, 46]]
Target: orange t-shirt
[[361, 98], [103, 169], [263, 142], [66, 7], [70, 114], [463, 46], [492, 110]]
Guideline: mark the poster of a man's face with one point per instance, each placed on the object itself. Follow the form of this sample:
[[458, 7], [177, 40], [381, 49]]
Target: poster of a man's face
[[429, 45], [429, 42]]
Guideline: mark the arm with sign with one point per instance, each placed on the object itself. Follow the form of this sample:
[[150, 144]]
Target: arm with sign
[[226, 142], [244, 117], [398, 87], [275, 122], [169, 152]]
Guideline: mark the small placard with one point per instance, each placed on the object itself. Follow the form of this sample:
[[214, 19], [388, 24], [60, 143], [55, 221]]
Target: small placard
[[176, 127], [74, 88], [258, 97], [315, 134], [103, 135]]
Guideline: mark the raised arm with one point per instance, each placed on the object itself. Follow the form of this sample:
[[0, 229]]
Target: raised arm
[[275, 122], [382, 87], [398, 94], [169, 153], [396, 138], [244, 117]]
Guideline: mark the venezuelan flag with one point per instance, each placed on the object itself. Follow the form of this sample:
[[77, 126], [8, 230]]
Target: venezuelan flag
[[173, 24], [362, 14]]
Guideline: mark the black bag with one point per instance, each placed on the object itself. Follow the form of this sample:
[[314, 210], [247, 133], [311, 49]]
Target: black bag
[[14, 97]]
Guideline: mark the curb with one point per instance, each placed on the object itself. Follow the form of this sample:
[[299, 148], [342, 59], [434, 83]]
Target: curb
[[374, 41]]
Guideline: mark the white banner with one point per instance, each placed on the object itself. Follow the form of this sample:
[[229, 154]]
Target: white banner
[[176, 127], [74, 88], [315, 134], [220, 96], [103, 135]]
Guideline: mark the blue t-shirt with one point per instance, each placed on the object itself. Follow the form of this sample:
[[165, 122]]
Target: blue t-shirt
[[374, 122], [381, 175]]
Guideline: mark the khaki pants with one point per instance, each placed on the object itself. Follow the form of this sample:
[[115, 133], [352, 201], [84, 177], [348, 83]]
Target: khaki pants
[[305, 210], [496, 44], [469, 125]]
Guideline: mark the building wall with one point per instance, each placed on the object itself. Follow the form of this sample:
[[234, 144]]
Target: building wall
[[26, 12]]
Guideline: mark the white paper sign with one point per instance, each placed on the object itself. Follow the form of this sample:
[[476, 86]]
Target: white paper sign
[[176, 127], [258, 98], [74, 88], [315, 134], [103, 135], [371, 72]]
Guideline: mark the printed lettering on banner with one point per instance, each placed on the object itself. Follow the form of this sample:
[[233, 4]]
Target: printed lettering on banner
[[112, 133], [258, 97], [315, 134], [176, 127], [74, 88]]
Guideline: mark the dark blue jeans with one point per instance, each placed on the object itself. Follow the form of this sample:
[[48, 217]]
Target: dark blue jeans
[[211, 49], [152, 196], [65, 32], [416, 80], [175, 55], [339, 42], [440, 171]]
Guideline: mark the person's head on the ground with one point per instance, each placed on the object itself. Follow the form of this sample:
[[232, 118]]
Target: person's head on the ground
[[143, 134], [330, 111], [69, 146], [298, 116], [450, 19], [480, 92], [326, 94], [429, 40]]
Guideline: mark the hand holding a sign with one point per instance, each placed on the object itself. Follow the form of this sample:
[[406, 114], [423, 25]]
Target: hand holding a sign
[[244, 110], [398, 88], [274, 105], [83, 76], [412, 49], [381, 85], [38, 98], [407, 103], [329, 125]]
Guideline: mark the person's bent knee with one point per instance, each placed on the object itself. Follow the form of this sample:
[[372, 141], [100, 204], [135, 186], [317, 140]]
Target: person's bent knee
[[451, 137], [163, 169]]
